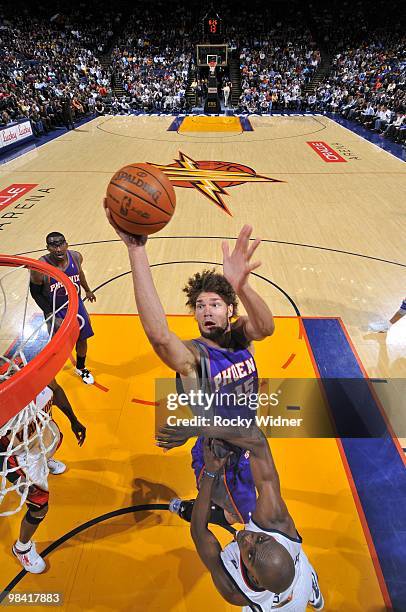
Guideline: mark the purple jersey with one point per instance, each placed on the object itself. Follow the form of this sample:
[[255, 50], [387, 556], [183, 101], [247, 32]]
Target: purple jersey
[[230, 374], [57, 291], [56, 288]]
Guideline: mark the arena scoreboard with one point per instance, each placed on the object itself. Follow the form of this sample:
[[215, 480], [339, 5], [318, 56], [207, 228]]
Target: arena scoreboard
[[208, 53], [212, 26]]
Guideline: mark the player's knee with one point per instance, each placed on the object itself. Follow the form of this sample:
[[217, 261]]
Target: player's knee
[[35, 516]]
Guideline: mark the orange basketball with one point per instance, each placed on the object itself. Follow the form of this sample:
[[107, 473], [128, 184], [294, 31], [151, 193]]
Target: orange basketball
[[141, 199]]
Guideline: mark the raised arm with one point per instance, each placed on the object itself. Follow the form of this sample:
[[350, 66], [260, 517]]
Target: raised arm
[[271, 511], [259, 322], [165, 343], [207, 545]]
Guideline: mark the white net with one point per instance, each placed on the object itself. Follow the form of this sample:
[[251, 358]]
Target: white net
[[29, 438], [27, 442]]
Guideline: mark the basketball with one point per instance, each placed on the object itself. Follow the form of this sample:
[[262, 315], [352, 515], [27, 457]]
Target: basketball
[[141, 199]]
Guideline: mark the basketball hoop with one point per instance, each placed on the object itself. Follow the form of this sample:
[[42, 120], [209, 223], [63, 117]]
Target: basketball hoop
[[212, 67], [30, 357]]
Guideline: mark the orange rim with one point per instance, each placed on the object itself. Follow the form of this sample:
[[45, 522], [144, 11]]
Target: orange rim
[[21, 388]]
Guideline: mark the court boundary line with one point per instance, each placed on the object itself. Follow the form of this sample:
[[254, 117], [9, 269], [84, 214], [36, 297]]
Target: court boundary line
[[264, 240], [136, 314], [357, 502], [211, 263], [355, 458], [371, 388], [41, 144], [353, 131], [220, 140], [378, 402], [239, 115], [365, 527]]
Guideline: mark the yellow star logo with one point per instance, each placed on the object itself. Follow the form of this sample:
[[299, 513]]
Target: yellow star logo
[[210, 177]]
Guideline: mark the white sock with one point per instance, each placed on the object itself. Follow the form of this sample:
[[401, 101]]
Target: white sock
[[23, 547]]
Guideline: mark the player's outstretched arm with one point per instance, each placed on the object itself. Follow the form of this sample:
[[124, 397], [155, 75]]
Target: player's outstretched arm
[[271, 511], [207, 545], [237, 267], [165, 343]]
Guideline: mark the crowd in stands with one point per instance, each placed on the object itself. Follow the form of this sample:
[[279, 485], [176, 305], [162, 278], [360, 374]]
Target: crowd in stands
[[51, 71], [367, 84], [151, 59], [366, 79], [275, 71], [154, 78]]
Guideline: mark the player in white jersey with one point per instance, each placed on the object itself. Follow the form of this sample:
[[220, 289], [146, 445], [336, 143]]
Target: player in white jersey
[[27, 460], [265, 568]]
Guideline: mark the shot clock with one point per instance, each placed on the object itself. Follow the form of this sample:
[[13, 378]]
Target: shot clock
[[212, 26]]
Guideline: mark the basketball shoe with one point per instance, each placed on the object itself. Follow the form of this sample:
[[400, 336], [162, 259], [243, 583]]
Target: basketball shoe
[[379, 326], [55, 466], [30, 560], [184, 508], [316, 601], [85, 375]]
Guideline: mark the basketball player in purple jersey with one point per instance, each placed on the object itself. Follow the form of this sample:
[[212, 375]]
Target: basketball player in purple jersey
[[221, 359], [45, 290], [213, 298]]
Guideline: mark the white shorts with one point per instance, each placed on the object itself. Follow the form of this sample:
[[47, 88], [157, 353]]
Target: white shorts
[[34, 463]]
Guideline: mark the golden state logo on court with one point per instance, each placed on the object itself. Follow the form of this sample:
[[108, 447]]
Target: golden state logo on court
[[211, 178]]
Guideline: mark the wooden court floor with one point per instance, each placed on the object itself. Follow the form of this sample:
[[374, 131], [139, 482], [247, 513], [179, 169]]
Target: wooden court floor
[[333, 246]]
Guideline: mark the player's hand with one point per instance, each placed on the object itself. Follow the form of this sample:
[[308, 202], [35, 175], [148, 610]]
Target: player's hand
[[79, 430], [212, 462], [90, 296], [237, 266], [170, 437], [129, 240]]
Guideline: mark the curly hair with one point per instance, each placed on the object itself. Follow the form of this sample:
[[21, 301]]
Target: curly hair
[[211, 282]]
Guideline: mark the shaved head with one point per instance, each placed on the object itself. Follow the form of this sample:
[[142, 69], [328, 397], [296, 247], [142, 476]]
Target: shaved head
[[268, 564], [274, 569], [55, 237]]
